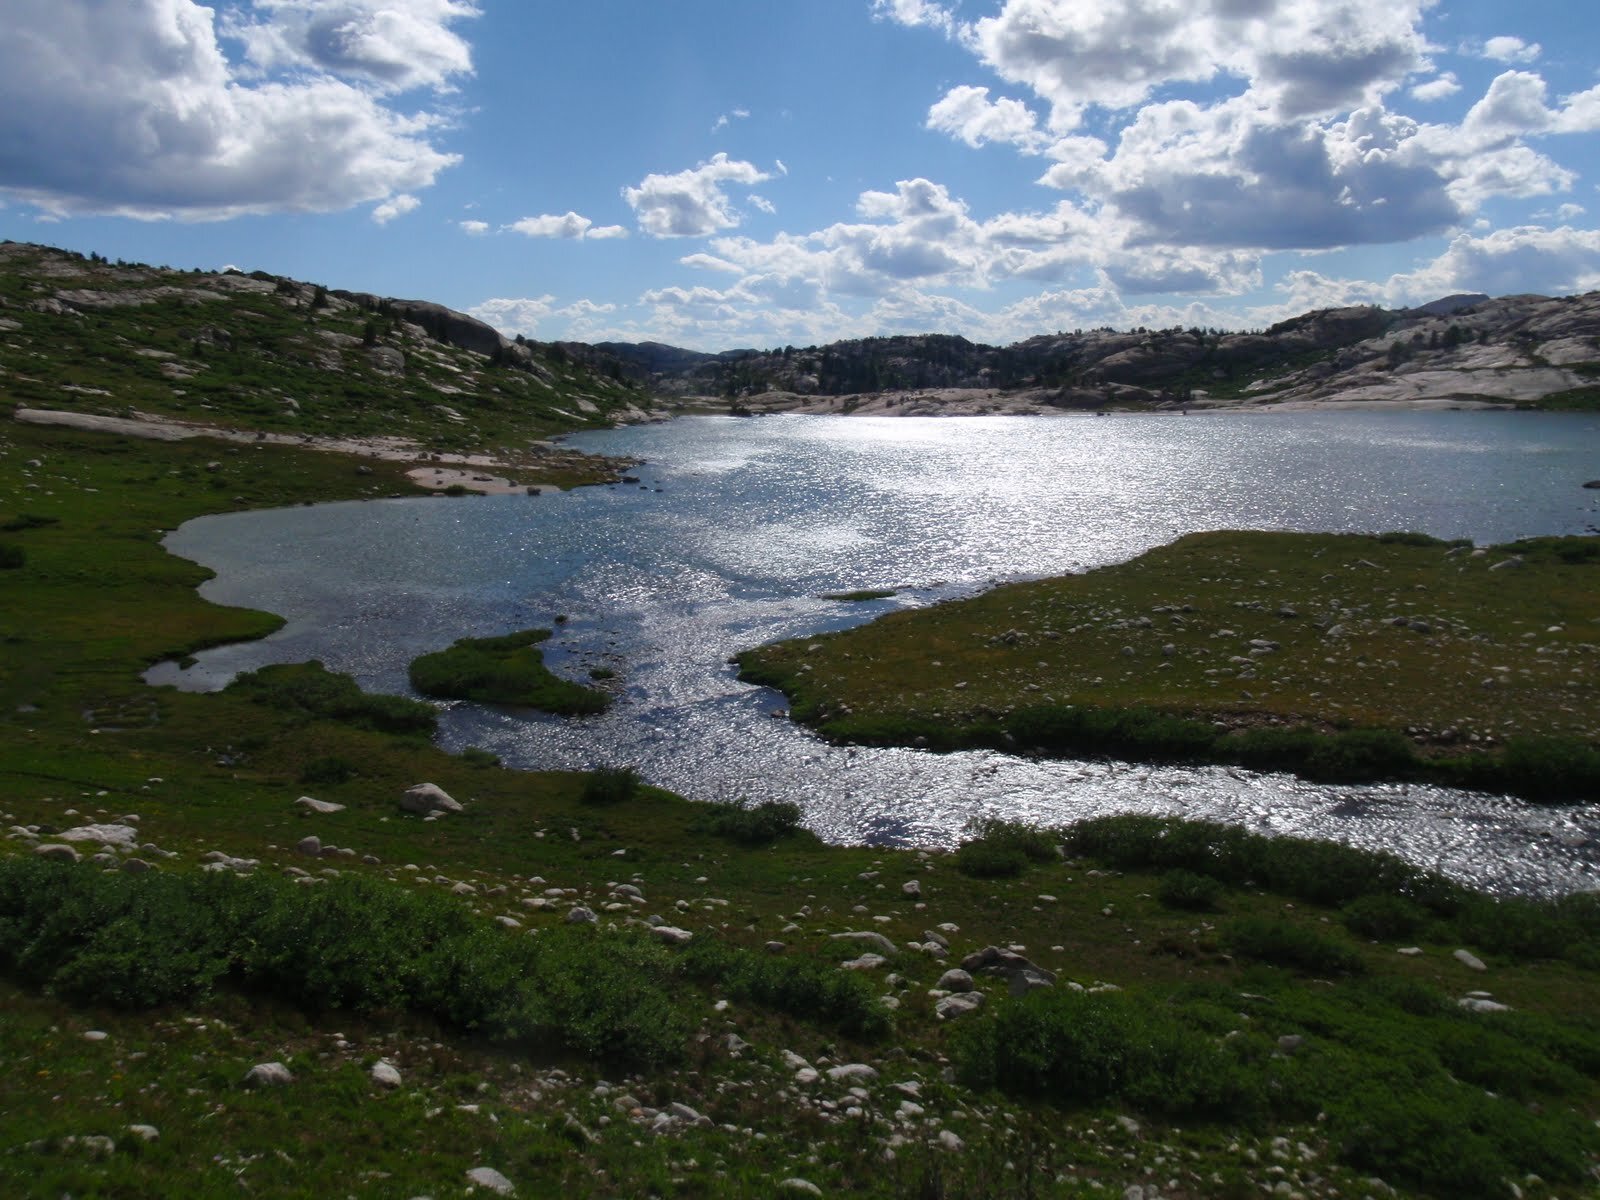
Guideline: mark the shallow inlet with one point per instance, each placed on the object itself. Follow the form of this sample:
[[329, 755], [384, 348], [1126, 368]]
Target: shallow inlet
[[755, 521]]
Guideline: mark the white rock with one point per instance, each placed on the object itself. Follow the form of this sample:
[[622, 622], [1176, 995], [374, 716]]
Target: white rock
[[488, 1177], [911, 887], [579, 915], [428, 798], [803, 1186], [268, 1074], [148, 1133], [867, 962], [868, 937], [950, 1141], [958, 1005], [311, 804], [310, 846], [94, 1035], [852, 1073], [672, 935], [384, 1074], [1469, 960], [106, 835], [954, 980], [1409, 951], [1480, 1004], [56, 851]]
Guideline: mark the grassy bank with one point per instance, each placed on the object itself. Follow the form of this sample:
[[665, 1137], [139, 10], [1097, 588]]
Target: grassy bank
[[1341, 657], [503, 670], [1243, 1011]]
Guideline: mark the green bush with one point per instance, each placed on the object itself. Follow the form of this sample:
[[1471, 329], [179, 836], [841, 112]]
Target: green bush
[[806, 988], [1383, 918], [503, 670], [1078, 1048], [1187, 890], [327, 771], [610, 785], [1003, 849], [309, 690], [1286, 943], [12, 556], [755, 824]]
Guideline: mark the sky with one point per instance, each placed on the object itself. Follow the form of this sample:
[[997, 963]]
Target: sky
[[757, 173]]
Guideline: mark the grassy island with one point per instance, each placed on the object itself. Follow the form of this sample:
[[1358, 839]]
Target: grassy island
[[1342, 657], [503, 670]]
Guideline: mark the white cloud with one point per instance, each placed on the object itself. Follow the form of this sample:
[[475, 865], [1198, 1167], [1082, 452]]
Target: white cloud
[[762, 203], [1436, 89], [132, 109], [1527, 258], [691, 203], [968, 113], [916, 12], [721, 123], [570, 226], [1297, 58], [475, 228], [525, 315], [1511, 50], [395, 206], [394, 44]]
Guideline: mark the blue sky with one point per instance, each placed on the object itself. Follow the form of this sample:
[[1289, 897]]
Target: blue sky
[[720, 173]]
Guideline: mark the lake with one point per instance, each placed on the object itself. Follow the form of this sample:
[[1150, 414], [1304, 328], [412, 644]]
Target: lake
[[739, 526]]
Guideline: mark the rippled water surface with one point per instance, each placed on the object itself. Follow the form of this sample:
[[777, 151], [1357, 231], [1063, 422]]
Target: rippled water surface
[[738, 527]]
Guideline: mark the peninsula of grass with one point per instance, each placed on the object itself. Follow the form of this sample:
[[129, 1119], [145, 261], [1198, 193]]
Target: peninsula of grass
[[860, 596], [504, 670], [1338, 656]]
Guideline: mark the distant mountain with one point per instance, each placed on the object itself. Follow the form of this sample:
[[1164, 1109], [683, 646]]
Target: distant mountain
[[265, 352], [1516, 350]]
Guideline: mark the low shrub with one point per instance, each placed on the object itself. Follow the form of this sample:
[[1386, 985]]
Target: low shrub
[[1286, 943], [309, 690], [327, 771], [1078, 1048], [1187, 890], [476, 756], [610, 785], [1003, 849], [503, 670], [755, 824], [805, 988], [12, 556], [1383, 918]]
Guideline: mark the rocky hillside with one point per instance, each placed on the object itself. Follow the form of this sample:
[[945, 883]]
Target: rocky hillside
[[1529, 351], [268, 353]]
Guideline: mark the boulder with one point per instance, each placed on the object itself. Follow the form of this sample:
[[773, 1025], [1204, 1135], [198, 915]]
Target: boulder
[[427, 798], [384, 1074], [954, 980], [311, 804], [488, 1177], [869, 938], [579, 915], [268, 1074], [57, 852], [958, 1005], [853, 1073]]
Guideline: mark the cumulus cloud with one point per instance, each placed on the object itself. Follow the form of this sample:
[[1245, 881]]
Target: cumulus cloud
[[571, 226], [526, 315], [1300, 59], [395, 206], [1511, 50], [394, 44], [1436, 89], [475, 228], [916, 12], [1527, 258], [691, 203], [133, 109], [967, 113]]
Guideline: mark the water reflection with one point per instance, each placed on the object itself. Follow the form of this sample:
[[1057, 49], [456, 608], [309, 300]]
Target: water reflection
[[757, 519]]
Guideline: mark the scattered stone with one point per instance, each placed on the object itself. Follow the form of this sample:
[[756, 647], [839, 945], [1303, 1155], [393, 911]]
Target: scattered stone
[[57, 851], [429, 798], [1482, 1004], [310, 846], [106, 835], [911, 887], [268, 1074], [1029, 979], [488, 1177], [1409, 951], [876, 940], [853, 1073], [1289, 1043], [867, 962], [950, 1141], [146, 1133], [579, 915], [94, 1035], [311, 804], [804, 1186], [776, 947], [954, 980], [958, 1005], [672, 935], [384, 1074], [1469, 960]]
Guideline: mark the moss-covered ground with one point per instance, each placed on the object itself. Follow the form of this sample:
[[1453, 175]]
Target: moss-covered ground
[[1342, 656], [1252, 1035]]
